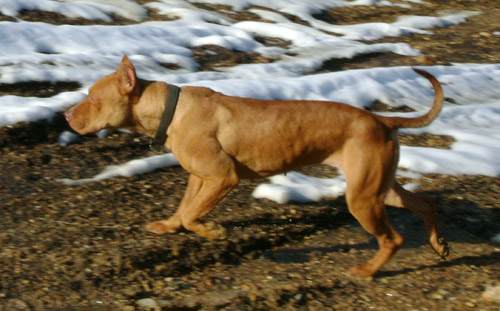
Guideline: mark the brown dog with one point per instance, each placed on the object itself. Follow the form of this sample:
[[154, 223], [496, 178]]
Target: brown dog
[[220, 139]]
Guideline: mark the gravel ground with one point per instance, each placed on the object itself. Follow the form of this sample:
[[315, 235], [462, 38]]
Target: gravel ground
[[84, 247]]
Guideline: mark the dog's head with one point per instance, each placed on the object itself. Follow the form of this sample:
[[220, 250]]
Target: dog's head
[[107, 104]]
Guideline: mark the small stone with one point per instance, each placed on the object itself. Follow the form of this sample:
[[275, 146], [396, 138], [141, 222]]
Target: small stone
[[384, 281], [148, 304], [167, 304], [102, 133], [485, 34], [443, 292], [67, 138], [470, 304], [492, 294], [437, 296], [16, 305], [129, 291], [496, 238], [425, 59]]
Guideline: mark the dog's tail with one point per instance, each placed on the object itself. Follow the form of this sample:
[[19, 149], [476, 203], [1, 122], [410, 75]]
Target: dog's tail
[[426, 119]]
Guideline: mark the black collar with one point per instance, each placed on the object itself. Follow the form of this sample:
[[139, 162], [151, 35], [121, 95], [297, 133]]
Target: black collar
[[171, 100]]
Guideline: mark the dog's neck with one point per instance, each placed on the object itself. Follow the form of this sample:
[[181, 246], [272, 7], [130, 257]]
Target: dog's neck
[[147, 103]]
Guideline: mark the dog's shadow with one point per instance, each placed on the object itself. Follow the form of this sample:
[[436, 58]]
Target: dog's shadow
[[454, 226], [479, 261]]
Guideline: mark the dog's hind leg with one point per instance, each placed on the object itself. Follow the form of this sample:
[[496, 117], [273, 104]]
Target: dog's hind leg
[[369, 210], [399, 197], [369, 176]]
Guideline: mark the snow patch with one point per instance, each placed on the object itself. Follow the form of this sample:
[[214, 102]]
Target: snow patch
[[14, 109], [45, 52], [297, 187], [128, 169], [87, 9]]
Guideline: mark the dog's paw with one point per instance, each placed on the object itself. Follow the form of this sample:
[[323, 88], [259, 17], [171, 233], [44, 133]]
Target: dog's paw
[[211, 231], [160, 227], [362, 271], [441, 248]]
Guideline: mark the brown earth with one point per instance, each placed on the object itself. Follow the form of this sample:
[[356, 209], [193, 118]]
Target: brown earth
[[469, 42], [84, 247]]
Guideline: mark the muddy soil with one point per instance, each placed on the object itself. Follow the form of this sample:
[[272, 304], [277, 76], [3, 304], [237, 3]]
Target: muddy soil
[[84, 247]]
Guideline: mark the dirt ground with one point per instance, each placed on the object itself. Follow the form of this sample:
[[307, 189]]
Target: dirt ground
[[84, 247]]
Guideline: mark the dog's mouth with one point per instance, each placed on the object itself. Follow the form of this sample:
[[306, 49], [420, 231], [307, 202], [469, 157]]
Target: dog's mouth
[[81, 129]]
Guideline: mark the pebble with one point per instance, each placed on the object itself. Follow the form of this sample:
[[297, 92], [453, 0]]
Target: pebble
[[492, 294], [496, 239], [437, 296], [67, 138], [102, 133], [148, 304], [485, 34], [425, 59], [443, 292], [16, 305]]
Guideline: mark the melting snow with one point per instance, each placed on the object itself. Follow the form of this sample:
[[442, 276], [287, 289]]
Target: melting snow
[[44, 52]]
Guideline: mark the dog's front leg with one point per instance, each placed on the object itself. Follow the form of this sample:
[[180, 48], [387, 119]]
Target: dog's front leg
[[211, 191], [200, 198], [213, 175], [174, 223]]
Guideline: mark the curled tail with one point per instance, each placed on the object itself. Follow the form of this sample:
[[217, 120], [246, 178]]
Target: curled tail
[[426, 119]]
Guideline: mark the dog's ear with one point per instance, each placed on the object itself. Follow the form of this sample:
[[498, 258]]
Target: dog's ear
[[126, 74]]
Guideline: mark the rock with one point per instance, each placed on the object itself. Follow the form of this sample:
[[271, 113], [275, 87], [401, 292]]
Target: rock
[[443, 292], [102, 133], [67, 138], [437, 296], [425, 59], [171, 305], [485, 34], [16, 305], [148, 304], [492, 294], [496, 239]]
